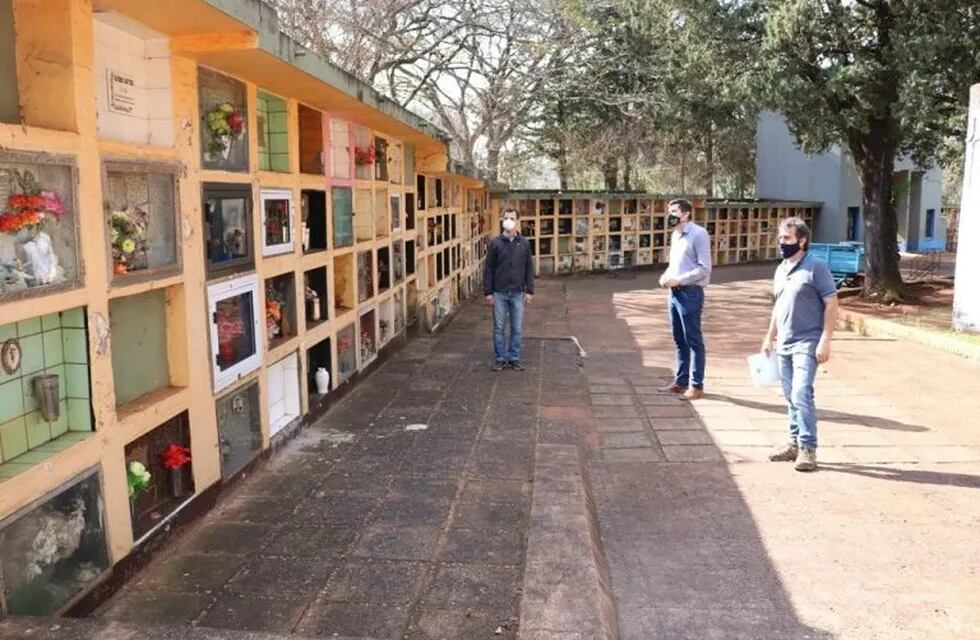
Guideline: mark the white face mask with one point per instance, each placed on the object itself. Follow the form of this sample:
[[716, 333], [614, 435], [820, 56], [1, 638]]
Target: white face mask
[[510, 224]]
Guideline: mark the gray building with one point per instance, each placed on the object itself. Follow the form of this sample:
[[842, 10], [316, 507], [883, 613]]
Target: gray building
[[784, 172]]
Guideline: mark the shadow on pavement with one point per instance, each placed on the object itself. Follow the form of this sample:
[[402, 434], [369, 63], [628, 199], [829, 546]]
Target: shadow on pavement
[[686, 556], [824, 414], [906, 475]]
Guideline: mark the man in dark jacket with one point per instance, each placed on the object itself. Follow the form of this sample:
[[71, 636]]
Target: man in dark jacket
[[508, 284]]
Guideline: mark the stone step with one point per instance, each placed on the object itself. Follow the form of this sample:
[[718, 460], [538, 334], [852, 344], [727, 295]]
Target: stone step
[[27, 628], [567, 589]]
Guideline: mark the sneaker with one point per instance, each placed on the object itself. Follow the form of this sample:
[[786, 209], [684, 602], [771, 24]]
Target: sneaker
[[786, 454], [516, 366], [806, 460], [498, 366]]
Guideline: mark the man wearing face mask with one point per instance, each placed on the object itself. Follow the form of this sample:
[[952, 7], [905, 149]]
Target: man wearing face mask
[[800, 331], [686, 277], [508, 284]]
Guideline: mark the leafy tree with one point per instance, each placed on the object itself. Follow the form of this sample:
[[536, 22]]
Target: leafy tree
[[884, 78]]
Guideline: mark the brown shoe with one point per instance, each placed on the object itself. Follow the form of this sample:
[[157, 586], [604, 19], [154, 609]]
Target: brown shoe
[[673, 387], [788, 453], [693, 394]]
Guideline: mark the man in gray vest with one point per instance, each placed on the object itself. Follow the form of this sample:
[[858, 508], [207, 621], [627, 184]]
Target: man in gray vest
[[800, 331]]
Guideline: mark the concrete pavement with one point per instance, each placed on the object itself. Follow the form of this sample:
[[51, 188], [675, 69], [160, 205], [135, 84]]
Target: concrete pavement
[[571, 501]]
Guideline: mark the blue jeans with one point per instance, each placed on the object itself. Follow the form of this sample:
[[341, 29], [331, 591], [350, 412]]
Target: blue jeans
[[798, 371], [504, 304], [685, 307]]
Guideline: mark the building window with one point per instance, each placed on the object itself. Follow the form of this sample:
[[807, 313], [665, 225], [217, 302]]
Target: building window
[[930, 223], [853, 224]]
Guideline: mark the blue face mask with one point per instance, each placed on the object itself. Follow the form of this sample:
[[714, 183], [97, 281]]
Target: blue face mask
[[789, 250]]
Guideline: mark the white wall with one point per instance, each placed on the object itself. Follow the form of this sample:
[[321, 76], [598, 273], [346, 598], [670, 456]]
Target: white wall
[[136, 53], [784, 172], [966, 297]]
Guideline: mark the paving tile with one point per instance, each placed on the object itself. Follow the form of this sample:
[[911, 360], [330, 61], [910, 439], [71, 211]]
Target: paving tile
[[632, 455], [625, 440], [615, 412], [372, 620], [469, 623], [273, 576], [361, 580], [504, 546], [699, 436], [191, 572], [274, 614], [477, 489], [316, 541], [398, 543], [236, 538], [475, 585], [598, 400], [692, 453], [156, 607], [680, 410]]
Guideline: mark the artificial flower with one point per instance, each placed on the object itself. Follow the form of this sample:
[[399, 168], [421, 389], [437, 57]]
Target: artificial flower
[[176, 456]]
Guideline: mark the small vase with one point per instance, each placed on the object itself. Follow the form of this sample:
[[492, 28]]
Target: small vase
[[46, 392], [313, 309], [176, 482], [322, 378], [285, 328]]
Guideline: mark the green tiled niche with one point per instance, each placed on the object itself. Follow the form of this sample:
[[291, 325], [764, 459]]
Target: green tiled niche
[[139, 344], [56, 343], [273, 135]]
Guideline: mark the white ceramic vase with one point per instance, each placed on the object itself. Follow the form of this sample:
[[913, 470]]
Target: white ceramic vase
[[322, 378]]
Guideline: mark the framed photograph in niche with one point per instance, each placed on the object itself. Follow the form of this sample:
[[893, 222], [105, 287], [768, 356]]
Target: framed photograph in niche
[[140, 203], [277, 221], [39, 236], [223, 106], [235, 327], [228, 227]]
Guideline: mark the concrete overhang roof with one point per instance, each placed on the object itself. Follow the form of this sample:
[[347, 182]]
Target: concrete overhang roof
[[242, 38]]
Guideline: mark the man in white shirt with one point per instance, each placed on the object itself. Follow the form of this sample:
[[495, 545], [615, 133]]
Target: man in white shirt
[[686, 277]]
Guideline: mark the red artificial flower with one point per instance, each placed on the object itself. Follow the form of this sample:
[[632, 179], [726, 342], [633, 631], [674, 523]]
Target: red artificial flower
[[176, 456], [236, 122]]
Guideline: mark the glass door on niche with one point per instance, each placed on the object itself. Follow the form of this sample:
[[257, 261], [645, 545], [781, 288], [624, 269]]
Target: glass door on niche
[[277, 224], [343, 212], [235, 324], [228, 226]]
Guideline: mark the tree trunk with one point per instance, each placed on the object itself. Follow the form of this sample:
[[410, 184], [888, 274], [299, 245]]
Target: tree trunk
[[628, 170], [493, 163], [684, 172], [882, 274], [562, 166], [610, 171], [709, 159]]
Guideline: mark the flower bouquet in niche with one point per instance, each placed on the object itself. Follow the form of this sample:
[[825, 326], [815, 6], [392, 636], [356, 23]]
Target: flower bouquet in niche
[[275, 317], [225, 125], [127, 234], [174, 458], [28, 210], [364, 156]]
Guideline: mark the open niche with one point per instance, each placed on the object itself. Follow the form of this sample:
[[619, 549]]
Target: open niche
[[311, 157], [315, 302], [318, 357], [314, 211], [365, 276], [343, 283], [384, 269], [141, 218], [368, 335], [280, 309], [165, 454]]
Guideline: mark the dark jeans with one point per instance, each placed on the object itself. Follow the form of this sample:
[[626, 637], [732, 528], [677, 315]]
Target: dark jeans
[[504, 305], [685, 306]]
